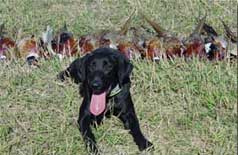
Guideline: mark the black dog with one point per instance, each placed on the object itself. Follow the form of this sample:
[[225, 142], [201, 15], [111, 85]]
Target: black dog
[[104, 76]]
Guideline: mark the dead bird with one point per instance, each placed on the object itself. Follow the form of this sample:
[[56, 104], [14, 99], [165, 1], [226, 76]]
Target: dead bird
[[28, 49], [215, 44], [63, 44], [166, 45], [6, 43], [232, 38], [110, 38]]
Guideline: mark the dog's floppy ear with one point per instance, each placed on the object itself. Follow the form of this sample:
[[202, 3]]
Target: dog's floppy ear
[[124, 70], [76, 70]]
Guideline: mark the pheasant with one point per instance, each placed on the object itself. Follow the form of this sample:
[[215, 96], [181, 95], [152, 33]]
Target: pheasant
[[27, 48], [232, 37], [215, 45], [165, 45], [194, 43], [113, 39], [6, 43], [62, 44]]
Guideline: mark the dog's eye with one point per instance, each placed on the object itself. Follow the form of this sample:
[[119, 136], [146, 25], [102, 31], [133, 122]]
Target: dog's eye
[[92, 65], [105, 63]]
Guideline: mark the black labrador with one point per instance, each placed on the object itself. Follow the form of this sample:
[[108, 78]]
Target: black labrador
[[104, 77]]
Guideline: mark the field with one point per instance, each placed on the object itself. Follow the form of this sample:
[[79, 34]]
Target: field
[[186, 108]]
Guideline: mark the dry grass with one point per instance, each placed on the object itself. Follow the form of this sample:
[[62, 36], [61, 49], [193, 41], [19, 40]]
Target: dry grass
[[183, 107]]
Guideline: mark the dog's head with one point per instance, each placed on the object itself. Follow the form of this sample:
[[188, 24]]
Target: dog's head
[[99, 72]]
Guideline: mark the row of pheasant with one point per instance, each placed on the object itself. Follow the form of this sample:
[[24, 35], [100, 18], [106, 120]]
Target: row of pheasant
[[134, 42]]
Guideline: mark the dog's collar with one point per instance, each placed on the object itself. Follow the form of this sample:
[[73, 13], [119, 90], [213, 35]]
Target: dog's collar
[[116, 90]]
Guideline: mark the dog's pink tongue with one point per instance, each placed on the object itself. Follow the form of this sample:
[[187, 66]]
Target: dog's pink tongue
[[98, 104]]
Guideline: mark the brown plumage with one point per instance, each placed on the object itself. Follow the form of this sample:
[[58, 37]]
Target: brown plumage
[[160, 31], [129, 50], [106, 38], [27, 45], [171, 45], [64, 43], [208, 30], [27, 48], [194, 44], [86, 44], [6, 43], [125, 27]]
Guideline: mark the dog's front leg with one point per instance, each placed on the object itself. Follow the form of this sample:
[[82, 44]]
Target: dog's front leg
[[125, 111], [131, 122], [84, 122]]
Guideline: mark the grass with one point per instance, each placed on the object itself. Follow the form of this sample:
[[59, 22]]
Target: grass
[[183, 107]]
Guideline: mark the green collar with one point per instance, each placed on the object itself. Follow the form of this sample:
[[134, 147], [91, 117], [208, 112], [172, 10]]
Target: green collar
[[115, 91]]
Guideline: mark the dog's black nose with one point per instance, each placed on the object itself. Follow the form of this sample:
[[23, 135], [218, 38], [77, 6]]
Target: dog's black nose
[[96, 84]]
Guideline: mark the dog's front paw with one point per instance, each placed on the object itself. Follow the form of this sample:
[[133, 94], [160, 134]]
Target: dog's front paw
[[93, 149], [146, 145]]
